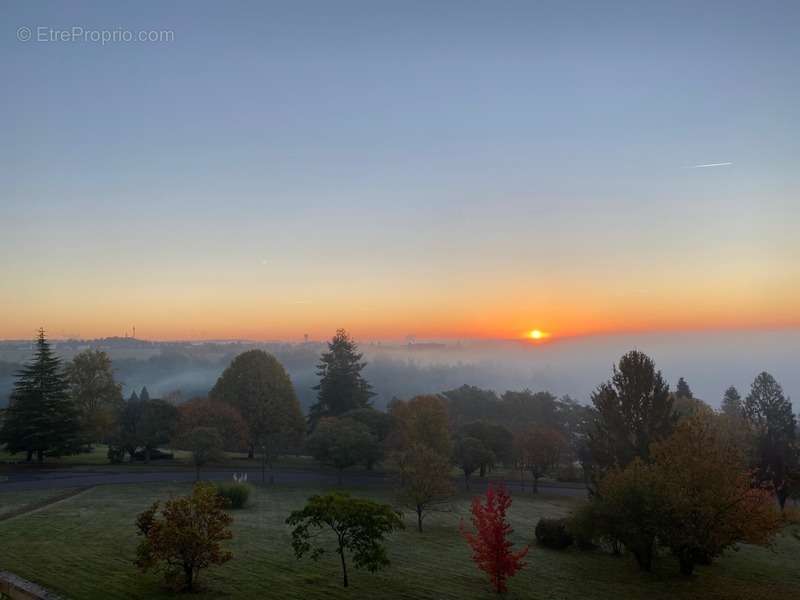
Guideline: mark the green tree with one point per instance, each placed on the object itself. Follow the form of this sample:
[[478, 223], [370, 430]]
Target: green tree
[[145, 425], [469, 454], [633, 410], [41, 419], [157, 424], [257, 385], [342, 387], [359, 526], [185, 536], [425, 480], [682, 390], [379, 425], [495, 437], [770, 414], [95, 393], [341, 443], [732, 403], [205, 444], [629, 504], [469, 403]]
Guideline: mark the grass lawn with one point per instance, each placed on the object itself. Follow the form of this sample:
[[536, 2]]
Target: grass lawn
[[13, 501], [83, 547]]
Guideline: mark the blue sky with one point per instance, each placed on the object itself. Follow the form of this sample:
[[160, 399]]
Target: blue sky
[[477, 155]]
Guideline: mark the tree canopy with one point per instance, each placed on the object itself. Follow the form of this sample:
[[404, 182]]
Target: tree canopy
[[341, 443], [634, 409], [732, 403], [425, 480], [492, 549], [257, 385], [342, 387], [185, 536], [95, 393], [41, 418], [225, 418], [359, 526], [770, 414]]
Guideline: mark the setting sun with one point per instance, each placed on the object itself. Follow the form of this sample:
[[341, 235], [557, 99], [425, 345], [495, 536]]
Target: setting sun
[[536, 334]]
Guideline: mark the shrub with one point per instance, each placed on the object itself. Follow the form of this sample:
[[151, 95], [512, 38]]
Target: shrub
[[553, 533], [582, 526], [237, 494], [116, 454]]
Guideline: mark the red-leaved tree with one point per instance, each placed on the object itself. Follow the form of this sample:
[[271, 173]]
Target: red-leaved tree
[[491, 546]]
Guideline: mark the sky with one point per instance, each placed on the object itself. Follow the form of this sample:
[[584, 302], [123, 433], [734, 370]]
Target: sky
[[446, 170]]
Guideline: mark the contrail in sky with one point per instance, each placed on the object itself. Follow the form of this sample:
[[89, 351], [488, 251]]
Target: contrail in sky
[[725, 164]]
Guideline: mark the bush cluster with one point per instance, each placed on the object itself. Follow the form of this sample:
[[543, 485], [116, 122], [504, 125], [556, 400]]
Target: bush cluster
[[553, 533], [237, 494]]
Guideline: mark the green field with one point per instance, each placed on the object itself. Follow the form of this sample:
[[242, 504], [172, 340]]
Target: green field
[[83, 547], [11, 502]]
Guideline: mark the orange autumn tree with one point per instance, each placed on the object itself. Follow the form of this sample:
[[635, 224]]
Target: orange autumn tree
[[708, 502], [185, 536], [491, 547]]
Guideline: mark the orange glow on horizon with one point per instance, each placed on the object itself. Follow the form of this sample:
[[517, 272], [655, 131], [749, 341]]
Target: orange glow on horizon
[[538, 335]]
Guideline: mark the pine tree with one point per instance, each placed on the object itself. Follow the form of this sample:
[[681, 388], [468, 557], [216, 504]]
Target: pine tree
[[683, 390], [732, 403], [770, 414], [41, 419], [634, 410], [341, 387], [144, 395]]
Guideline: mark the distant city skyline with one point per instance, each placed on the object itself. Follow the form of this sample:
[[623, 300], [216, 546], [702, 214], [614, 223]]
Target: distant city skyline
[[450, 170]]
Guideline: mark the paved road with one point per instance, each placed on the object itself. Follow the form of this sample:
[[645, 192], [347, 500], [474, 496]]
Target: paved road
[[39, 480]]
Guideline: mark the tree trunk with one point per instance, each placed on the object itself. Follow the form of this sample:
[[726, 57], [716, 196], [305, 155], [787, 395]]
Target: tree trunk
[[147, 455], [196, 472], [535, 484], [466, 480], [40, 456], [251, 452], [339, 478], [344, 564], [483, 471], [419, 517], [522, 479], [30, 456]]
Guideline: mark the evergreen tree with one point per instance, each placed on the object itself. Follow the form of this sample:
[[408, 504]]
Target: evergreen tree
[[770, 414], [144, 395], [732, 403], [683, 390], [41, 419], [341, 387], [634, 409], [134, 397]]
